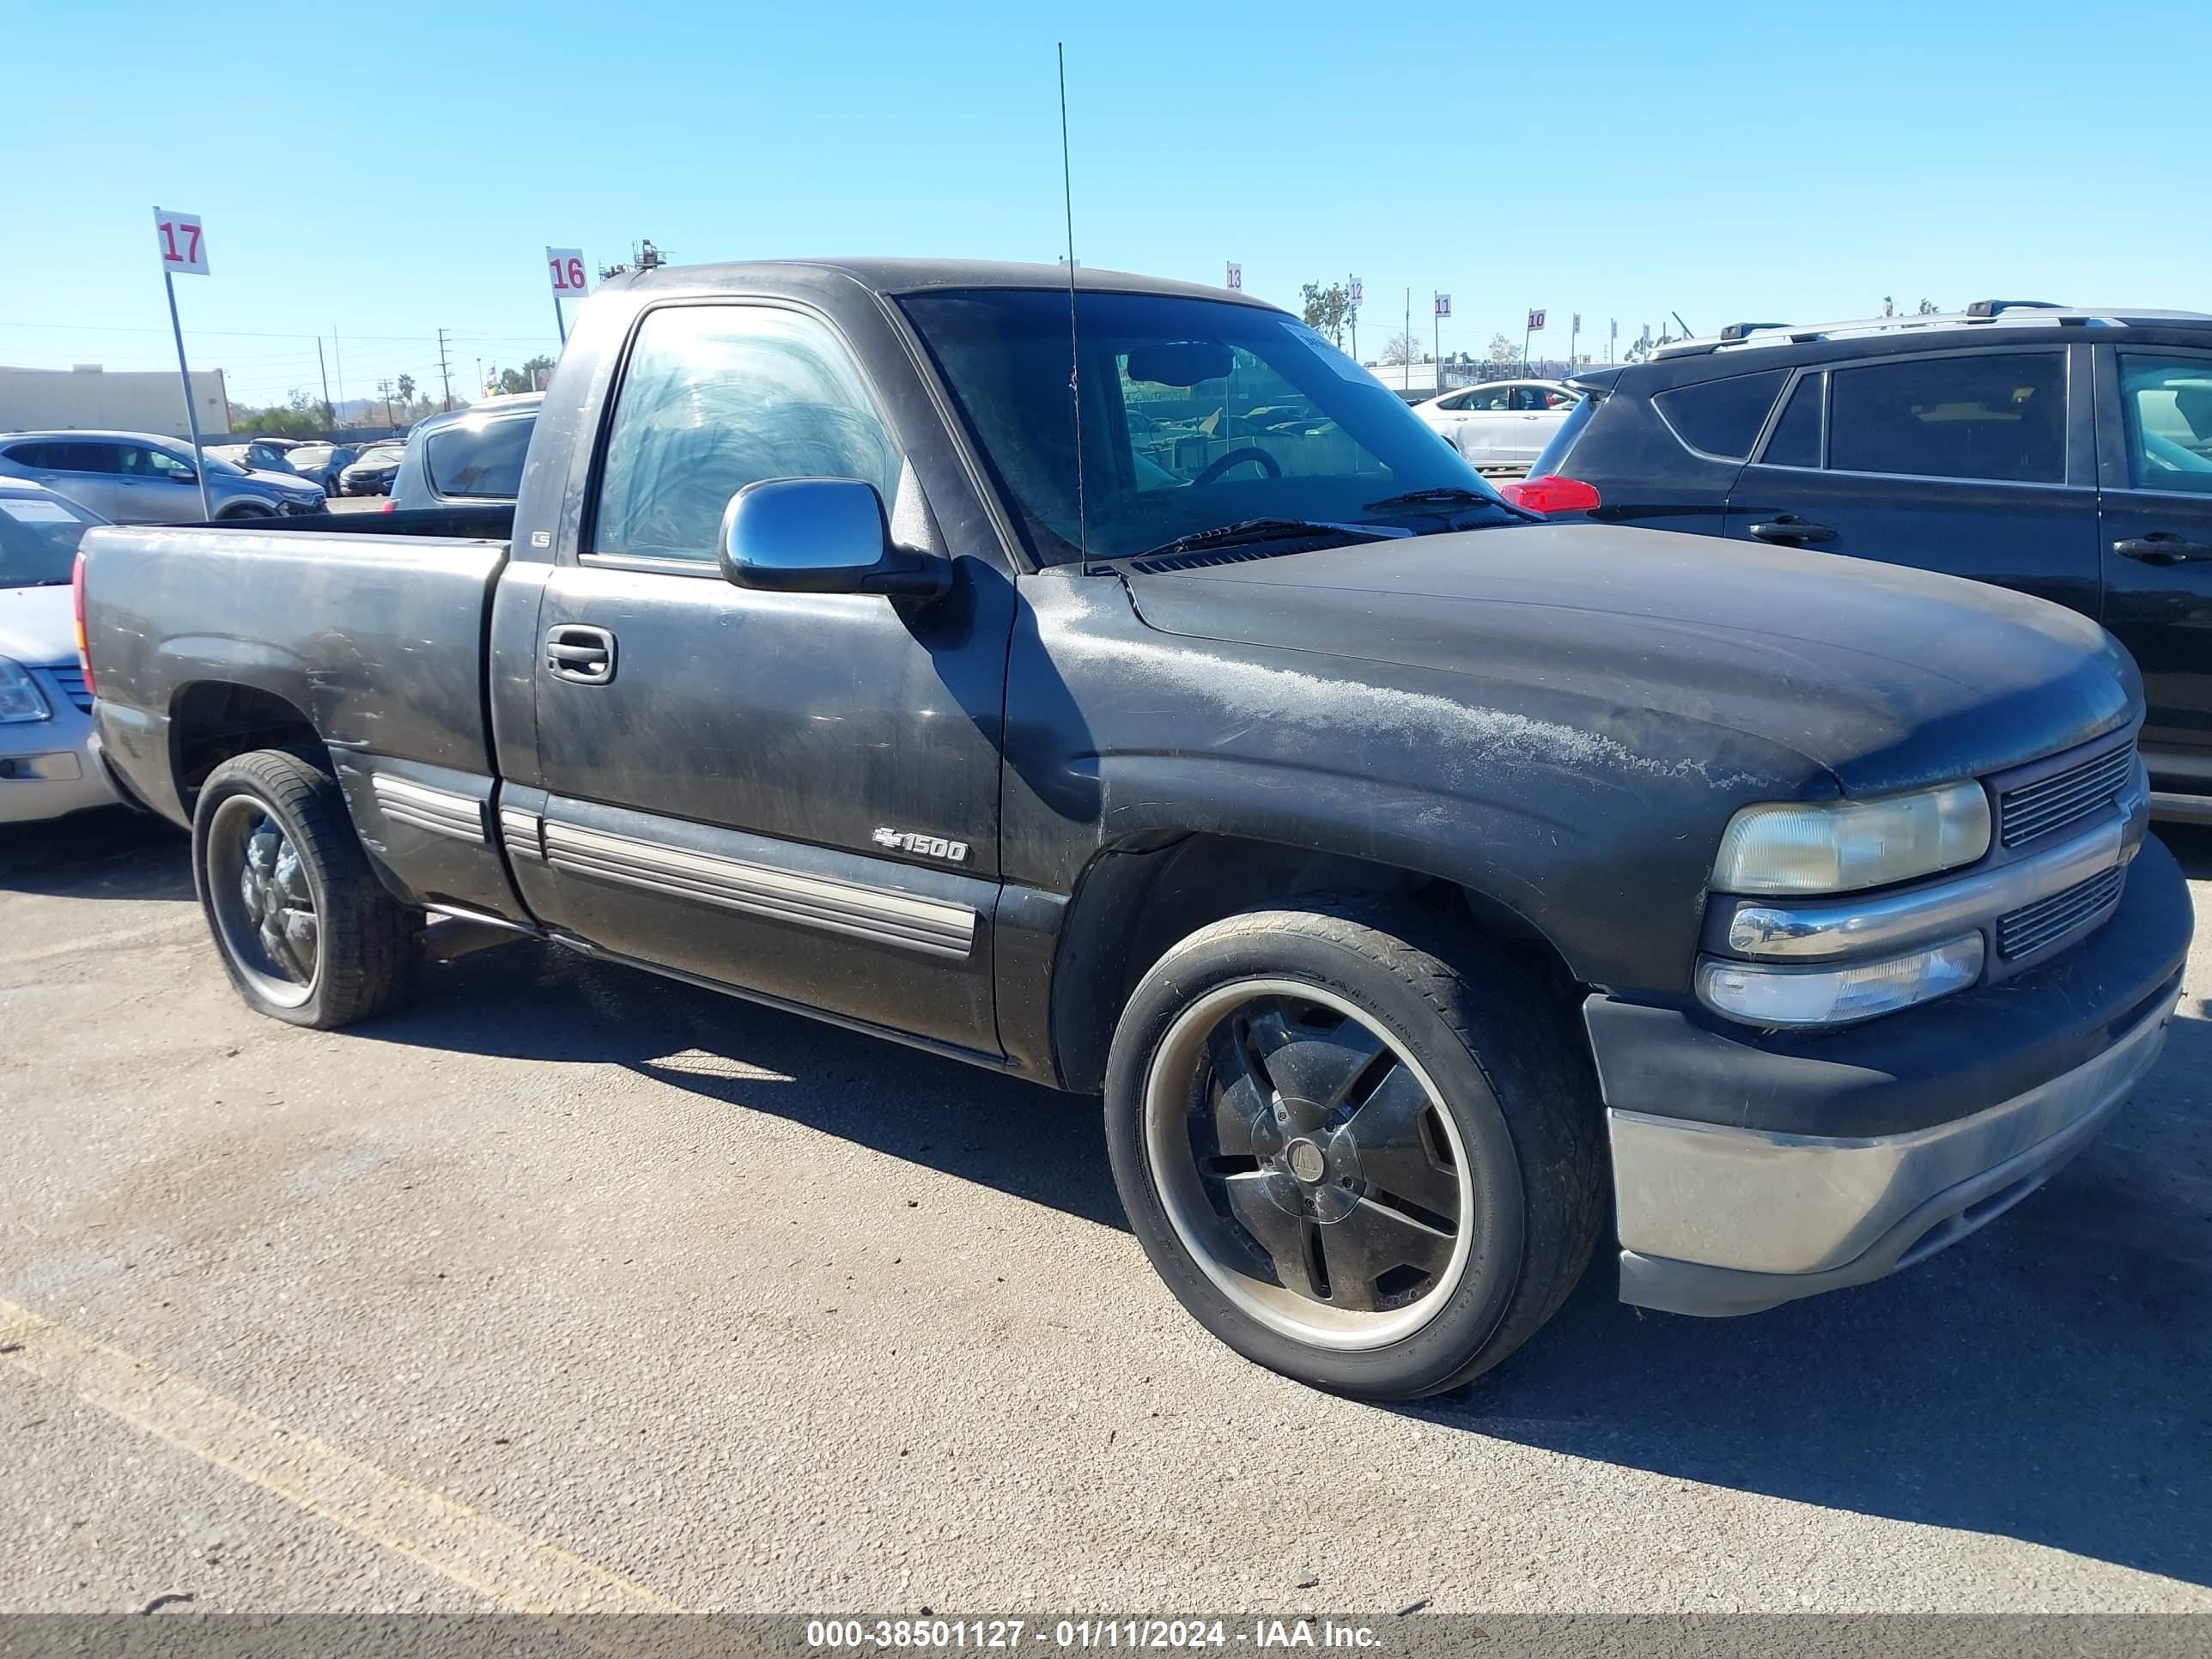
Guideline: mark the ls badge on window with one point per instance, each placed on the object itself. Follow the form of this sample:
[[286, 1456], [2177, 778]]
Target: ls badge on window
[[921, 847]]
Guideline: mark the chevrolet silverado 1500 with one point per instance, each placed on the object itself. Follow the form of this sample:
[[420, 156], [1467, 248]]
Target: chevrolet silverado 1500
[[1115, 686]]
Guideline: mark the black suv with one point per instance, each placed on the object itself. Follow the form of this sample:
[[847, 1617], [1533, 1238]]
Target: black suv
[[2062, 451]]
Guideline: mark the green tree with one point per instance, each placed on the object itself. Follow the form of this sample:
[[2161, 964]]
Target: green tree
[[1503, 350], [407, 391], [1328, 310]]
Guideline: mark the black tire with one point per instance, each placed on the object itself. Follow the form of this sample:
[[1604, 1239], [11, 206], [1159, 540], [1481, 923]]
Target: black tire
[[1503, 1059], [363, 947], [245, 510]]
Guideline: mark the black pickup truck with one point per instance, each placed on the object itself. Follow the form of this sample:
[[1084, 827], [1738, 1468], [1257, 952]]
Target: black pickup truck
[[1115, 686]]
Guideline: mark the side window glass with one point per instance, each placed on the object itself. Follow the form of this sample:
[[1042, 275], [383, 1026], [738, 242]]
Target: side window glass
[[715, 397], [1796, 440], [1722, 417], [1488, 399], [91, 458], [36, 457], [2167, 405], [1997, 415]]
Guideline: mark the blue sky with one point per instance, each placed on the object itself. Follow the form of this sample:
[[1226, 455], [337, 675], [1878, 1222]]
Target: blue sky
[[389, 169]]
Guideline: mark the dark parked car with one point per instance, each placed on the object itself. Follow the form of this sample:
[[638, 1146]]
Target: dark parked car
[[323, 462], [2064, 452], [473, 455], [373, 471], [1422, 884]]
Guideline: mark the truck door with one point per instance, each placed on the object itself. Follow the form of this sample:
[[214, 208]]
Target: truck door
[[1975, 464], [2154, 442], [793, 794]]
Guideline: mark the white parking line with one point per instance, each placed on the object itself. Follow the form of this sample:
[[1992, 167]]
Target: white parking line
[[507, 1567]]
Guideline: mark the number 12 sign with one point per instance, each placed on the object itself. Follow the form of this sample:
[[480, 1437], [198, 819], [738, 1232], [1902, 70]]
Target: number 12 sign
[[567, 265], [177, 235]]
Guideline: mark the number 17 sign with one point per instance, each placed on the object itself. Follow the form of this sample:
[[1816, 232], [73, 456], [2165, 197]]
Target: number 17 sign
[[182, 246]]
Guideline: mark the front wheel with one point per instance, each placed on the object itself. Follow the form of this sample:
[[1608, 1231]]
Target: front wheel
[[306, 930], [1362, 1149]]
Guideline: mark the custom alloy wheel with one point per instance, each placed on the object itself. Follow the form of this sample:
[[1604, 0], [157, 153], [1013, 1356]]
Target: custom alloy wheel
[[261, 905], [1360, 1142], [307, 932], [1305, 1162]]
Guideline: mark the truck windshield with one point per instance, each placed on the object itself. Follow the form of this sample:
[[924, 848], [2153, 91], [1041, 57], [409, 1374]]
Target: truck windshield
[[1196, 414]]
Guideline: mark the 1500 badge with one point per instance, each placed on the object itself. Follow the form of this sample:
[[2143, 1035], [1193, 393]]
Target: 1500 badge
[[922, 847]]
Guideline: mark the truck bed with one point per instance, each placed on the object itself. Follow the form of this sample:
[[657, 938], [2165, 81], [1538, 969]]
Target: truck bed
[[367, 628]]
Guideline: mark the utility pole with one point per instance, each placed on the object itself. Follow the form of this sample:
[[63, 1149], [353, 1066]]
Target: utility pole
[[330, 409], [445, 369], [340, 356], [1407, 378]]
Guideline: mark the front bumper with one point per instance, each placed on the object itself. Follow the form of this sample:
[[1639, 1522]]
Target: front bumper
[[48, 768], [1753, 1170]]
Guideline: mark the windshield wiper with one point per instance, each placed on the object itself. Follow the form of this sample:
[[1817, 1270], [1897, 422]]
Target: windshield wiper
[[1246, 530], [1451, 495]]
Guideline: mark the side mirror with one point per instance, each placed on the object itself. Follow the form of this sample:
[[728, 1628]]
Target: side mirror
[[185, 477], [822, 536]]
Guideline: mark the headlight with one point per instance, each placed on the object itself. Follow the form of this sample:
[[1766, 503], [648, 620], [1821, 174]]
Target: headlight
[[1840, 846], [1765, 995], [19, 699]]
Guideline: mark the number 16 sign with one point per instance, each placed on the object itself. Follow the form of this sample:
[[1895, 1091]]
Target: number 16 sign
[[182, 246]]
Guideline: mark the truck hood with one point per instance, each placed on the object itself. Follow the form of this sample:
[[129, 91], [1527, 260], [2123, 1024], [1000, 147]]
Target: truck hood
[[37, 626], [1884, 676]]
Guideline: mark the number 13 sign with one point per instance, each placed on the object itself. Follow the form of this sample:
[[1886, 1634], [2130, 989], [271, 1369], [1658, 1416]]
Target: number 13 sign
[[567, 265], [177, 235]]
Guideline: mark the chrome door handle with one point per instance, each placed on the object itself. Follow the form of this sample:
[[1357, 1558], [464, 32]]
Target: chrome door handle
[[583, 655]]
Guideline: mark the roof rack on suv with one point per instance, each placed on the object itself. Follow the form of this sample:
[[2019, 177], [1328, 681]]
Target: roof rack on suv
[[1983, 314]]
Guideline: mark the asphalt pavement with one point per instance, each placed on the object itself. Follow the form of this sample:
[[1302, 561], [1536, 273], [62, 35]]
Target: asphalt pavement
[[573, 1288]]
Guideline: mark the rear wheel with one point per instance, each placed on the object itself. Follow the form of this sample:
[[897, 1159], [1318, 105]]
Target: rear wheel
[[306, 930], [246, 510], [1366, 1162]]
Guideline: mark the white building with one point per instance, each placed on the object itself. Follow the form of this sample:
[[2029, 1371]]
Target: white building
[[88, 396]]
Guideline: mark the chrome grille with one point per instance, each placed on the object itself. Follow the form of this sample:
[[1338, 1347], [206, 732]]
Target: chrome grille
[[2064, 798], [71, 681], [2033, 925]]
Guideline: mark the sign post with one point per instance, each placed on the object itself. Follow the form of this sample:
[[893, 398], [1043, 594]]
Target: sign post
[[1437, 337], [182, 248], [1236, 277], [1358, 291], [566, 266]]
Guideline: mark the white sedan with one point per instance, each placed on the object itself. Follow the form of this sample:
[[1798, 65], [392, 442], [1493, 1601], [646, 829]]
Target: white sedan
[[1500, 423]]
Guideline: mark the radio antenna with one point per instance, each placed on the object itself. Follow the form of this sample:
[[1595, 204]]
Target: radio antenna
[[1075, 353]]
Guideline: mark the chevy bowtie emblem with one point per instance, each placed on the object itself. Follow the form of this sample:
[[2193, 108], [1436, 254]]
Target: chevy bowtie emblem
[[921, 847]]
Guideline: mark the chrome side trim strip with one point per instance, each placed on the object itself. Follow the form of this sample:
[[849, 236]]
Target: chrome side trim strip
[[1769, 1203], [438, 811], [1832, 928], [520, 831], [930, 927]]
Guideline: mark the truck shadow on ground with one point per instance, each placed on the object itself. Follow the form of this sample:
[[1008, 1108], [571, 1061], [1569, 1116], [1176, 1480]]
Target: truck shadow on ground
[[2043, 1380]]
